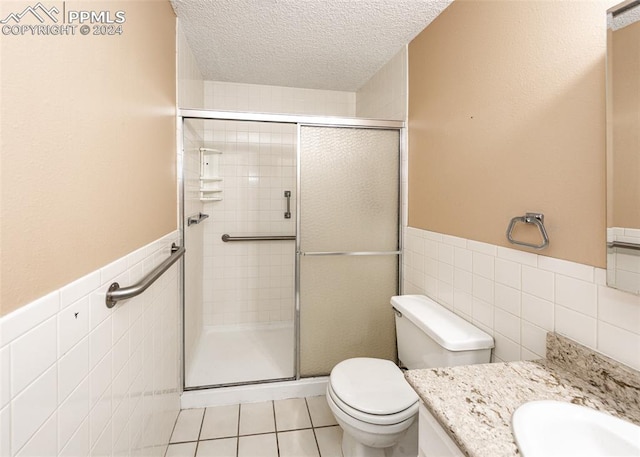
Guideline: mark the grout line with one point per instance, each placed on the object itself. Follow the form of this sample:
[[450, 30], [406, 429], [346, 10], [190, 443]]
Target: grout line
[[313, 429], [238, 436], [275, 425], [202, 423]]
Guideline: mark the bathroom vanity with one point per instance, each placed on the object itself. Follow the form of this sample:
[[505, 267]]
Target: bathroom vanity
[[466, 410]]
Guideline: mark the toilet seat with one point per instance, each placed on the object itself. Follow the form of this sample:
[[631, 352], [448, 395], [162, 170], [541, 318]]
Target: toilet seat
[[372, 391]]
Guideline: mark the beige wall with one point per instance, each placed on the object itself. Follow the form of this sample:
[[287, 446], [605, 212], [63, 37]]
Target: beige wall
[[625, 83], [88, 147], [506, 116]]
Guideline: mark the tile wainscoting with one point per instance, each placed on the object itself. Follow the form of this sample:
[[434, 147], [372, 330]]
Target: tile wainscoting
[[79, 379], [517, 296]]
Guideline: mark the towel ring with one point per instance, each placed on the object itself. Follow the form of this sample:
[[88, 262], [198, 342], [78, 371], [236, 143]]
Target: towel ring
[[536, 219]]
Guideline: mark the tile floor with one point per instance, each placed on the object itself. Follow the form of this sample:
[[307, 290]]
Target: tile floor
[[297, 427]]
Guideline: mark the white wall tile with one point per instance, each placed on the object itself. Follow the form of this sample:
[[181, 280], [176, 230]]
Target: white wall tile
[[483, 248], [507, 299], [577, 326], [483, 265], [463, 259], [524, 258], [531, 295], [483, 313], [566, 268], [73, 367], [72, 413], [463, 281], [100, 379], [38, 346], [5, 376], [445, 253], [79, 443], [578, 295], [538, 282], [506, 349], [508, 273], [538, 311], [483, 289], [619, 344], [63, 404], [5, 431], [507, 324], [78, 289], [534, 338], [99, 417], [43, 442], [100, 342], [619, 308], [26, 318], [463, 304], [73, 324], [31, 408]]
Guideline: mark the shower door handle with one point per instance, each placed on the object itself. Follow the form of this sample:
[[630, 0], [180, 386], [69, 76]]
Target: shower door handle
[[287, 195]]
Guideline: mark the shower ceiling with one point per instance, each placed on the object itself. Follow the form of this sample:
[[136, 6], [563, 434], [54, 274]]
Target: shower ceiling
[[315, 44]]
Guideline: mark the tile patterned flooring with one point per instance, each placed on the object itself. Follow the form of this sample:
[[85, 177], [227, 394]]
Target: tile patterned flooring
[[296, 427]]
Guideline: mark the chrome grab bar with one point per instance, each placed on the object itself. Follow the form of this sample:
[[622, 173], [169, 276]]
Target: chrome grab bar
[[287, 195], [529, 218], [116, 293], [622, 244], [196, 219], [363, 253], [226, 237]]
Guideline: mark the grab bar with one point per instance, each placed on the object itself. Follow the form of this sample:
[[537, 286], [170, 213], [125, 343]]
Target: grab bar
[[115, 293], [196, 219], [622, 244], [226, 237], [529, 218]]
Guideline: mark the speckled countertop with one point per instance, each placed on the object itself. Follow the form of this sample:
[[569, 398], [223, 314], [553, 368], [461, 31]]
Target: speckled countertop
[[474, 403]]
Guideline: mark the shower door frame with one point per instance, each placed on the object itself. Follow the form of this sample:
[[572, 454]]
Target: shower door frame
[[299, 121]]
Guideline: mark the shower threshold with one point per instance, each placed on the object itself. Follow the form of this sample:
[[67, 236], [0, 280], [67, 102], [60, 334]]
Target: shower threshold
[[242, 354]]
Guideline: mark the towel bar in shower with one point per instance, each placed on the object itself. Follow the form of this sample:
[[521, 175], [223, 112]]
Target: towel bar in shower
[[117, 293], [623, 244], [536, 219], [226, 238]]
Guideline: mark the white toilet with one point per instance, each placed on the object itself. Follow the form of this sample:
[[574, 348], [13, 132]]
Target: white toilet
[[370, 398]]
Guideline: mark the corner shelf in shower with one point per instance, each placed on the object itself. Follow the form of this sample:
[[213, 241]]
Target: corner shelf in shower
[[210, 190]]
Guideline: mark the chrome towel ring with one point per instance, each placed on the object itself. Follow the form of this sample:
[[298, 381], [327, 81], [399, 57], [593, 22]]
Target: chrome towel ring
[[536, 219]]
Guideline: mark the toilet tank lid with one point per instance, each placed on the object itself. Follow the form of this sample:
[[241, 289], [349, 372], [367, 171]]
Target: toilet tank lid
[[446, 328]]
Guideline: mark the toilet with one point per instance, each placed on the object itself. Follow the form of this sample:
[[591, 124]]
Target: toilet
[[370, 398]]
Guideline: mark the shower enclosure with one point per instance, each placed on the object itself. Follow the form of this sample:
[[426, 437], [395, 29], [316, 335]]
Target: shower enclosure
[[291, 226]]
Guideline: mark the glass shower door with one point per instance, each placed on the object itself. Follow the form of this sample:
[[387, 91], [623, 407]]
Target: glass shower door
[[348, 245], [240, 305]]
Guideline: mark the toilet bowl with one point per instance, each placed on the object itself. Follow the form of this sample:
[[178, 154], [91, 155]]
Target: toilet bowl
[[370, 398], [373, 404]]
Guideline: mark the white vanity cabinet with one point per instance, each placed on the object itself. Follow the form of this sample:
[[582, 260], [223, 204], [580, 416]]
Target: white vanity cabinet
[[433, 441]]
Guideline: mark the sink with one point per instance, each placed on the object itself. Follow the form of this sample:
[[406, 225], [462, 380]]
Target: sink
[[554, 428]]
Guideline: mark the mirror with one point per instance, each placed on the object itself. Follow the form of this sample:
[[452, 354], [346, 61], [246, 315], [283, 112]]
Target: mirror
[[623, 146]]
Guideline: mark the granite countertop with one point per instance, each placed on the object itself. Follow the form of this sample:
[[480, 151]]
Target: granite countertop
[[474, 403]]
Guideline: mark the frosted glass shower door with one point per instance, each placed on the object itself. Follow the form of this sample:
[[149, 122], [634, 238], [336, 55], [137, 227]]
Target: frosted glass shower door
[[348, 251]]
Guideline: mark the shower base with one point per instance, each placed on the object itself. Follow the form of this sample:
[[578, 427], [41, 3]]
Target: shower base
[[242, 354]]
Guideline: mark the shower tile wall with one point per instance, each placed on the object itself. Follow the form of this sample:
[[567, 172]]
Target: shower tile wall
[[250, 282], [518, 296]]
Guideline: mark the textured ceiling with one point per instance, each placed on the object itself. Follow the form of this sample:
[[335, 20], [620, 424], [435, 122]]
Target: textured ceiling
[[317, 44]]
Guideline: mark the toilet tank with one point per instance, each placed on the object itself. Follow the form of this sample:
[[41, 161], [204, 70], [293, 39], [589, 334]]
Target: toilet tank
[[431, 336]]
